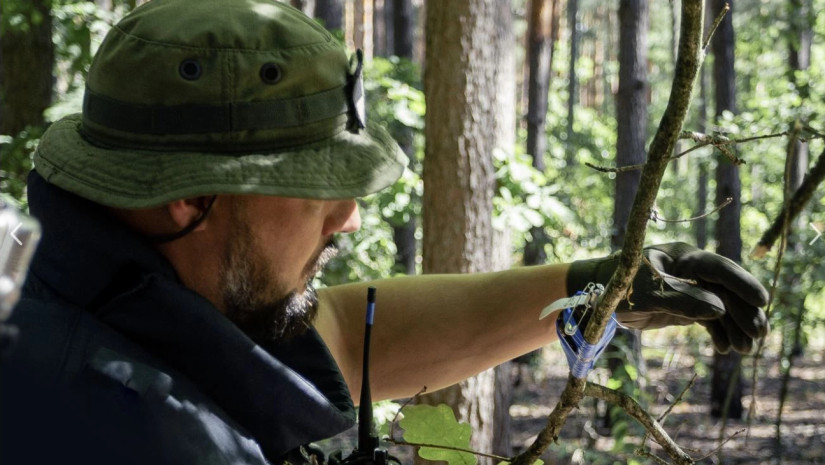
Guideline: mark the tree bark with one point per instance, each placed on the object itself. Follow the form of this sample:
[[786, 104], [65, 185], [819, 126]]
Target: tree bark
[[26, 69], [631, 112], [403, 28], [403, 36], [726, 389], [381, 27], [331, 13], [573, 25], [540, 34], [463, 88], [362, 27], [306, 6], [700, 226]]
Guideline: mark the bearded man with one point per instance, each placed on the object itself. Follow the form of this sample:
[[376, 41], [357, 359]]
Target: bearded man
[[168, 316]]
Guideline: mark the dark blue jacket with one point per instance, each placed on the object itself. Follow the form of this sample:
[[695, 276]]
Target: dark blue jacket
[[118, 362]]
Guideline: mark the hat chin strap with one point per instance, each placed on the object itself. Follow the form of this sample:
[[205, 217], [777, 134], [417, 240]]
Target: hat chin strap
[[164, 238]]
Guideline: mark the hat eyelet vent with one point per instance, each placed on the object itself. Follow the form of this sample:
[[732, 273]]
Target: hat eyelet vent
[[190, 69], [270, 73]]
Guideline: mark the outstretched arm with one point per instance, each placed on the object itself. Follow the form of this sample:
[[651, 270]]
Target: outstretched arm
[[436, 330]]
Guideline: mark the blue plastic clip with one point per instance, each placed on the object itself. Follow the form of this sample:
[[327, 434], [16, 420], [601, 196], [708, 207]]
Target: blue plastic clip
[[581, 355]]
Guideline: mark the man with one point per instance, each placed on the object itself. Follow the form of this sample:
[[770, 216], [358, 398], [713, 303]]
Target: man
[[168, 317]]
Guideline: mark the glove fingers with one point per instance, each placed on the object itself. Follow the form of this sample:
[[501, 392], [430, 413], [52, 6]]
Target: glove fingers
[[651, 320], [690, 301], [717, 335], [750, 319], [739, 341], [716, 269]]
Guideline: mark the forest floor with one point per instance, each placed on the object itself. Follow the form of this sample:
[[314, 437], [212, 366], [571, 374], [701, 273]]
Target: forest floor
[[669, 369], [673, 356]]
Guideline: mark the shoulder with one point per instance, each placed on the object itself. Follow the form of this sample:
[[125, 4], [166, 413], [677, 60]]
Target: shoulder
[[73, 387]]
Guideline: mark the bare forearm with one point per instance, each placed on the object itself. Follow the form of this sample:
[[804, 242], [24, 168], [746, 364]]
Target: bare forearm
[[435, 330]]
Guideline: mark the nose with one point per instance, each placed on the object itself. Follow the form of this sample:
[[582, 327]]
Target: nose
[[343, 218]]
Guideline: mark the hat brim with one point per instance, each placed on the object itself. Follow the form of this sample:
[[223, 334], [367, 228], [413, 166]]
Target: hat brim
[[346, 165]]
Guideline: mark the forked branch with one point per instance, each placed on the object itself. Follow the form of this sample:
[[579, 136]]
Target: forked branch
[[689, 59]]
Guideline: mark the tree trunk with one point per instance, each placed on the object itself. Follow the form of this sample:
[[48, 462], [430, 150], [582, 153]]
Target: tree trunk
[[331, 13], [540, 44], [26, 69], [403, 28], [726, 389], [463, 86], [403, 36], [306, 6], [799, 59], [362, 26], [631, 111], [381, 27], [573, 25]]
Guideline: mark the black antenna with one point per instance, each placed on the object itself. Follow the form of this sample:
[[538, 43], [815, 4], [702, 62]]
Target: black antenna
[[367, 439], [369, 451]]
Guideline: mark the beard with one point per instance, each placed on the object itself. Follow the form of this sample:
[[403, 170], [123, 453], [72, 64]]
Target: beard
[[251, 295]]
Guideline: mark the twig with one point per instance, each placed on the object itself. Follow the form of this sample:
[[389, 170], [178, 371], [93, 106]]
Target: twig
[[620, 169], [786, 218], [715, 25], [401, 442], [722, 444], [687, 67], [635, 410], [649, 455], [792, 209], [406, 403], [678, 400], [656, 217], [703, 140], [673, 404]]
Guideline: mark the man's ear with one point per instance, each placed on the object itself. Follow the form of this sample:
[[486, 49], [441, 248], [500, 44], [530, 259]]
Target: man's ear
[[186, 211]]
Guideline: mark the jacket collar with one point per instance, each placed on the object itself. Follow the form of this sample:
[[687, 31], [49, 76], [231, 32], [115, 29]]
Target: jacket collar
[[285, 394]]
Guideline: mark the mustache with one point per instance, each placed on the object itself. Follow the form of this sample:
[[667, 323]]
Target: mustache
[[322, 257]]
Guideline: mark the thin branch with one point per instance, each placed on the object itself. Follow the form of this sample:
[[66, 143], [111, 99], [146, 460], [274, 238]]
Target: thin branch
[[678, 400], [649, 455], [792, 209], [687, 67], [715, 25], [405, 404], [722, 444], [670, 407], [620, 169], [703, 140], [786, 218], [635, 410], [401, 442], [656, 217]]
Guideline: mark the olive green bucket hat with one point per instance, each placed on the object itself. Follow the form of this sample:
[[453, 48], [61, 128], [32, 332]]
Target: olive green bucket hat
[[197, 97]]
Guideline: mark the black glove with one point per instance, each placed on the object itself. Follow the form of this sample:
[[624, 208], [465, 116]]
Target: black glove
[[726, 300]]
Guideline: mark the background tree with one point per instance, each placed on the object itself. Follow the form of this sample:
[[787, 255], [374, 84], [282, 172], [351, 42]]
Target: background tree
[[461, 84], [331, 13], [726, 384], [631, 133], [26, 63], [403, 28], [542, 30], [572, 88]]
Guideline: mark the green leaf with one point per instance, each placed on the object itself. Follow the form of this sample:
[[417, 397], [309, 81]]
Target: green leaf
[[426, 424]]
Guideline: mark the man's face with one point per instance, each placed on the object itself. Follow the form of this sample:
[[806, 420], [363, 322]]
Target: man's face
[[274, 249]]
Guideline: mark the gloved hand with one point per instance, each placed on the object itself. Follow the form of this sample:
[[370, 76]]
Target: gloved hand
[[725, 299]]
